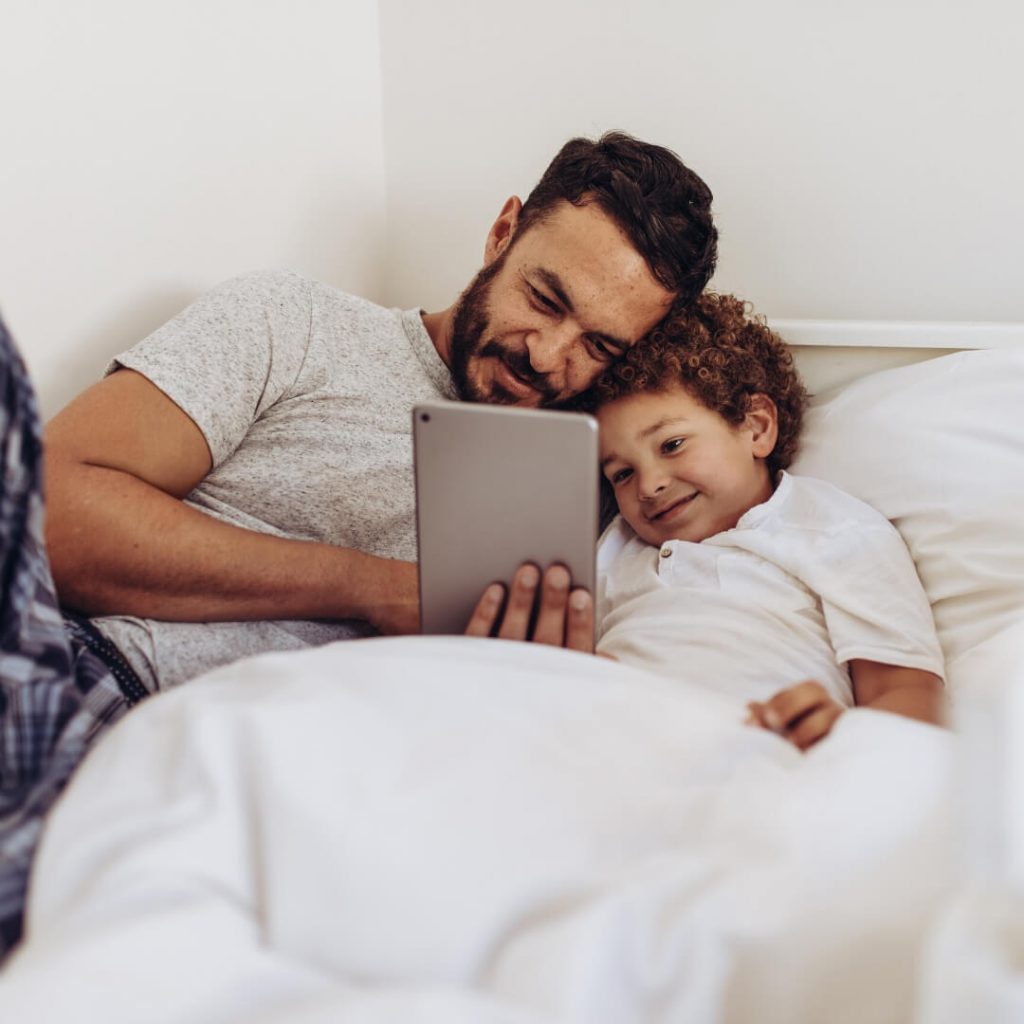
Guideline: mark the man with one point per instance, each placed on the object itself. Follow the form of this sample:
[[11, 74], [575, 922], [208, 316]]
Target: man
[[244, 481]]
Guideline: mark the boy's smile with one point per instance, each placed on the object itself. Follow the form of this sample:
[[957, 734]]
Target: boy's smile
[[671, 511], [679, 470]]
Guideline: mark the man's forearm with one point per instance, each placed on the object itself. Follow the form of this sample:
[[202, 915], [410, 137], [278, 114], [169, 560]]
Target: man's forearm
[[120, 546]]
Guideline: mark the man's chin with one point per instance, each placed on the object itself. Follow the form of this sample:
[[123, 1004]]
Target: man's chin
[[486, 377], [499, 396], [469, 390]]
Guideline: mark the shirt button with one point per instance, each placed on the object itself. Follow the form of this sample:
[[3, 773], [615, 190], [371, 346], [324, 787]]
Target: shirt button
[[666, 552]]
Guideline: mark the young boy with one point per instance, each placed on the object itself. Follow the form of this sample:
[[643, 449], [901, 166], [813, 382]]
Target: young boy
[[724, 568]]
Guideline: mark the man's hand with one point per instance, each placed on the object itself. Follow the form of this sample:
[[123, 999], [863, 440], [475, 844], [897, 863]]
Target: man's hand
[[802, 714], [560, 616]]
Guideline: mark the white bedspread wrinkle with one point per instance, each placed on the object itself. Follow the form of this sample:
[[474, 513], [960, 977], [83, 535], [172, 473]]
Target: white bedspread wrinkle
[[447, 829]]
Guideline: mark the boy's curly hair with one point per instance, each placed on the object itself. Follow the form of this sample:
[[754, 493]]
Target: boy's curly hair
[[722, 355]]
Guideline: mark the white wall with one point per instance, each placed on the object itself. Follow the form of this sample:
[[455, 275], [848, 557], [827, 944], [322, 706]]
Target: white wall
[[152, 150], [865, 156]]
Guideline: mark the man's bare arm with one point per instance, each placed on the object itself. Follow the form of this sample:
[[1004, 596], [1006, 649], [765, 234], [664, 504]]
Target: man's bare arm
[[119, 459]]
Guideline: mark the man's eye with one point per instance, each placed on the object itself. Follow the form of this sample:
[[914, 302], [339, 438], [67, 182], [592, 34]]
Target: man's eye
[[673, 445], [601, 350], [542, 302]]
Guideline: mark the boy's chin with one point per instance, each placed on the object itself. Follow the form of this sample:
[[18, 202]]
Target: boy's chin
[[691, 533]]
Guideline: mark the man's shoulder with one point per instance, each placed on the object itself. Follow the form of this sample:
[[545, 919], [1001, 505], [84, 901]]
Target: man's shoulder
[[265, 283], [324, 311], [279, 282], [282, 283]]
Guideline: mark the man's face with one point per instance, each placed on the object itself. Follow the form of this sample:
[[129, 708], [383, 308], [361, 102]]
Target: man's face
[[551, 309]]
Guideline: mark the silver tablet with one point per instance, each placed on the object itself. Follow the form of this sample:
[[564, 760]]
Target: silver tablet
[[496, 487]]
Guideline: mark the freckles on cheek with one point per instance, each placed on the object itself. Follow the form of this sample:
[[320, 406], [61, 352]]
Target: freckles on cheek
[[580, 378]]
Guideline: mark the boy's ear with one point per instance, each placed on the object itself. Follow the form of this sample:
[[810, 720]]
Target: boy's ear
[[763, 423]]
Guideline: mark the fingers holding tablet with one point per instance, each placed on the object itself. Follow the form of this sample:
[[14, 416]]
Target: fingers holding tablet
[[579, 629], [487, 611], [552, 612], [557, 615], [565, 617], [498, 489], [515, 623]]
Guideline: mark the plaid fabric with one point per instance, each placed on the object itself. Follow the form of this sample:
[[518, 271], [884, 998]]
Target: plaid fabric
[[56, 697]]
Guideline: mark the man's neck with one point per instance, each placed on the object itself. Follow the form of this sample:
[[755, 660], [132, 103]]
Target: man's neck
[[438, 326]]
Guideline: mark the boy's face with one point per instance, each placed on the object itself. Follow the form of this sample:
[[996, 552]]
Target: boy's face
[[680, 471]]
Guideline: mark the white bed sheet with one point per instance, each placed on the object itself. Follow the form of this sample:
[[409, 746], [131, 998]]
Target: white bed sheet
[[447, 829]]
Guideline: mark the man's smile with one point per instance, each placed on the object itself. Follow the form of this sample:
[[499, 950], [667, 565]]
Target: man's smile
[[514, 383]]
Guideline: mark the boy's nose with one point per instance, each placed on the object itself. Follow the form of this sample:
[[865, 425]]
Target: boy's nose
[[651, 485]]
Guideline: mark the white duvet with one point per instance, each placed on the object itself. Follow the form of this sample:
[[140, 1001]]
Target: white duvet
[[456, 830]]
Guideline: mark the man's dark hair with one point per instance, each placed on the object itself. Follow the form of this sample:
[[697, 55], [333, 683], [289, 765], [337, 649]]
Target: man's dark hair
[[661, 205]]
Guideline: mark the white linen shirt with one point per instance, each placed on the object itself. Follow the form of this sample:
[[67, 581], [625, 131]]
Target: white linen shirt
[[804, 582]]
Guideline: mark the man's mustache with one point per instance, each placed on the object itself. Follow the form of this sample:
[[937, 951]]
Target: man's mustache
[[519, 364]]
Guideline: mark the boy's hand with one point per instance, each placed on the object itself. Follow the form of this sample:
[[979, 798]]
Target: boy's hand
[[559, 616], [802, 714]]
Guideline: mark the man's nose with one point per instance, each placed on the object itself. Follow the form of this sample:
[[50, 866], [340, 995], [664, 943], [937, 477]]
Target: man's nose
[[550, 349]]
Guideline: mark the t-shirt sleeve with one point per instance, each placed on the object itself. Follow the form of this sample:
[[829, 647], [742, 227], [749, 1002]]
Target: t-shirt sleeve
[[230, 355], [874, 604]]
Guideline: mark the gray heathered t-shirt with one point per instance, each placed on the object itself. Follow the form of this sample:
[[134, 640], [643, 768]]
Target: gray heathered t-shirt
[[304, 395]]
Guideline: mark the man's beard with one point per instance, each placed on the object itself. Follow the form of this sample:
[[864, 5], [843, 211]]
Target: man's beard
[[469, 327]]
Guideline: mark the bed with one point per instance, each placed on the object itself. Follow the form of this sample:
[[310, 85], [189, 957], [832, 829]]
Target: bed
[[448, 829]]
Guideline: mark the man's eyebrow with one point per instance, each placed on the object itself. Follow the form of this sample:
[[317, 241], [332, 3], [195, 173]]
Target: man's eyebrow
[[554, 282]]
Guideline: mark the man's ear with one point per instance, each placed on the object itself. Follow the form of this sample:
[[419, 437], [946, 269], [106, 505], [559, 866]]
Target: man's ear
[[763, 424], [502, 229]]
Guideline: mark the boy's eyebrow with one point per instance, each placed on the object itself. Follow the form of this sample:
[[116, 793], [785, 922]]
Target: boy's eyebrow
[[646, 432], [664, 422], [554, 282]]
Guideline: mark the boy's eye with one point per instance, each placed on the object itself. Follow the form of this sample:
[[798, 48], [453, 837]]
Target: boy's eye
[[620, 476], [673, 445]]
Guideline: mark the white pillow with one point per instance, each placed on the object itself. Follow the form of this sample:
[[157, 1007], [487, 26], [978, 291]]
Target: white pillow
[[938, 448]]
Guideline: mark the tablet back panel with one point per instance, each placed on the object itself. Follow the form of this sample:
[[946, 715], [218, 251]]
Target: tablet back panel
[[496, 487]]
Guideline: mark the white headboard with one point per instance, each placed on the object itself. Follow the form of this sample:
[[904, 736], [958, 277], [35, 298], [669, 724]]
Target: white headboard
[[832, 352]]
